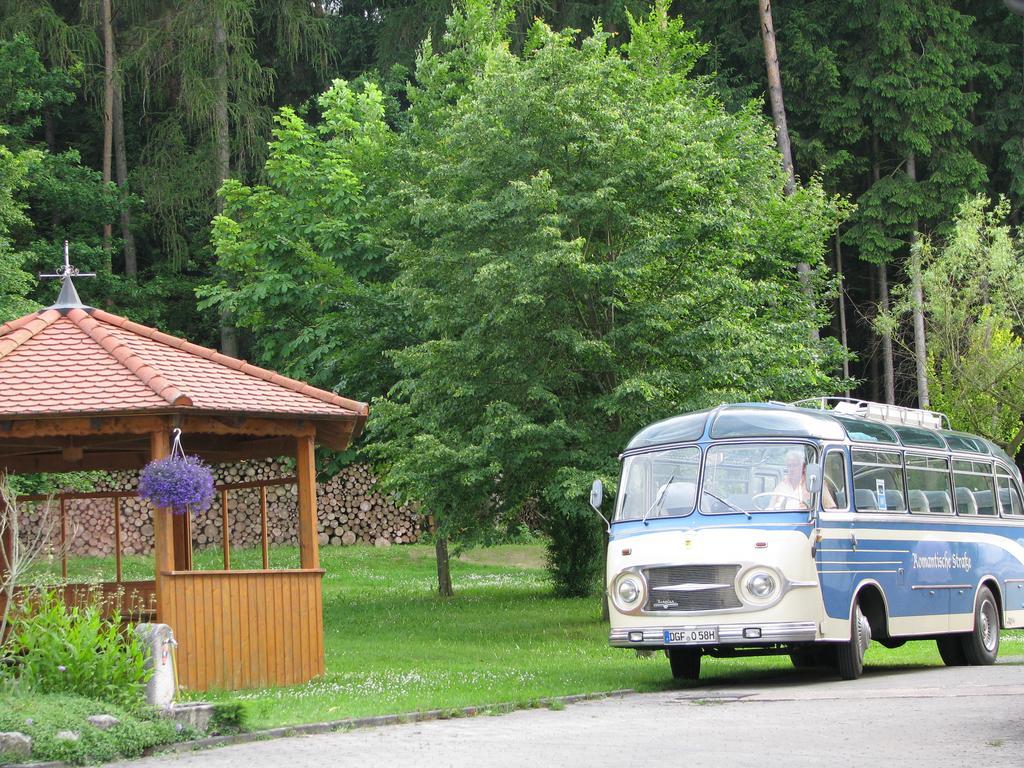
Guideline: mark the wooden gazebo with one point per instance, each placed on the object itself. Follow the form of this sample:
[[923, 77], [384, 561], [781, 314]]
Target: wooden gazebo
[[83, 389]]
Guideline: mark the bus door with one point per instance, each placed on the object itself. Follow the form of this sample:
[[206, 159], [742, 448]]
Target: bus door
[[835, 534]]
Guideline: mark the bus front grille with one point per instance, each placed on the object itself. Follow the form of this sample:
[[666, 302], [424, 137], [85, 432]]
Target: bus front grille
[[692, 588]]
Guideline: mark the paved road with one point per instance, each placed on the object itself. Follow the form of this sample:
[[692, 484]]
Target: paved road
[[917, 718]]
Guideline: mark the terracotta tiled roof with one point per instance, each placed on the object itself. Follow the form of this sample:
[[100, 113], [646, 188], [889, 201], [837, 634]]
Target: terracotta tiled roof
[[88, 361]]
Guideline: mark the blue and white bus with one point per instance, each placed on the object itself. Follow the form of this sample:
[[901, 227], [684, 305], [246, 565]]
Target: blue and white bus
[[813, 529]]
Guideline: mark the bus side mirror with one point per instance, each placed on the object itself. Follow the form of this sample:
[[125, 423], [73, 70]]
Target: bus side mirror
[[813, 478], [596, 497]]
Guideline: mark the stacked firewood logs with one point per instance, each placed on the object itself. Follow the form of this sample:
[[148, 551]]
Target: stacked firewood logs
[[350, 508]]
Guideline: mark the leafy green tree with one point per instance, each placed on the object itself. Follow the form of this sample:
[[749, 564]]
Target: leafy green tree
[[590, 242], [301, 255], [66, 200], [974, 308], [14, 281]]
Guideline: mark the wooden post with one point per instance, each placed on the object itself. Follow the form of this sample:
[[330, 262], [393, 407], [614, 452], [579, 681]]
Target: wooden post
[[305, 470], [63, 540], [263, 527], [224, 531], [117, 539], [163, 532], [6, 544], [182, 527]]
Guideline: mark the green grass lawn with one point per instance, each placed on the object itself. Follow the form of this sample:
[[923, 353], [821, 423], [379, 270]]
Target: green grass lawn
[[392, 646]]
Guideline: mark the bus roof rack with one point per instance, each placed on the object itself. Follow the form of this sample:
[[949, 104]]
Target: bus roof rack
[[890, 414]]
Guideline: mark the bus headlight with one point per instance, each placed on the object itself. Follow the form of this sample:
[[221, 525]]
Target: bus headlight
[[628, 591], [761, 585]]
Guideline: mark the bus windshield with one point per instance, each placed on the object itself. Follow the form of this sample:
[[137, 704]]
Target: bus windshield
[[661, 484], [756, 478], [738, 478]]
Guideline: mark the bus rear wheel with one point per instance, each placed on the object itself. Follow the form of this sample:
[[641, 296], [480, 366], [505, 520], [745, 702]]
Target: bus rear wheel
[[685, 663], [850, 655], [982, 645]]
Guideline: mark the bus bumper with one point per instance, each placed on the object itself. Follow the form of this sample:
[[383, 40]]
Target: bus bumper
[[745, 634]]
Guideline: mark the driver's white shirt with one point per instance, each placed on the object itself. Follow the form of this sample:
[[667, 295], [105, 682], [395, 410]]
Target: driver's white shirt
[[788, 496]]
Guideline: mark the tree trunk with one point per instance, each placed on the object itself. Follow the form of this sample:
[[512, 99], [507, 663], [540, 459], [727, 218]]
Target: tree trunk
[[50, 135], [917, 296], [221, 124], [888, 362], [874, 369], [842, 311], [108, 110], [888, 370], [222, 139], [771, 62], [444, 574], [131, 265]]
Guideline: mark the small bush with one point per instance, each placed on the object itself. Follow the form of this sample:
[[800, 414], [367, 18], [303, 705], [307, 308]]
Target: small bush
[[42, 716], [227, 717], [575, 554], [58, 649]]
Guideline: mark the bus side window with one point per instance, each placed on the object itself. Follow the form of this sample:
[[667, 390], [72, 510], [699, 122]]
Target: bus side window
[[975, 487], [928, 484], [833, 492], [1009, 495], [878, 481]]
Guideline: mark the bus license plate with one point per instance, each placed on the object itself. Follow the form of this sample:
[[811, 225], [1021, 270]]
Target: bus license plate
[[691, 636]]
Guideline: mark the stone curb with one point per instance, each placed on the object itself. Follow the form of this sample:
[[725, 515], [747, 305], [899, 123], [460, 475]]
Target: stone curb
[[352, 723], [375, 721]]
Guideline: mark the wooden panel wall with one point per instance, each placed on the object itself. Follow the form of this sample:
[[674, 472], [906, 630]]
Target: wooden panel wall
[[245, 629]]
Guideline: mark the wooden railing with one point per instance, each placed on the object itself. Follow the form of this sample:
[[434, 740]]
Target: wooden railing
[[234, 628], [62, 500]]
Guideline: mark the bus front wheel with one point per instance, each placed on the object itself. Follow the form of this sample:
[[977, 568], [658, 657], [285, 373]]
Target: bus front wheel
[[850, 655], [982, 645], [951, 649], [685, 663]]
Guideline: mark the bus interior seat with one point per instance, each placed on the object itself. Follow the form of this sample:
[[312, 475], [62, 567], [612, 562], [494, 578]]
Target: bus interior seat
[[938, 501], [985, 503], [1006, 502], [918, 501], [680, 496], [965, 503], [864, 499], [894, 500]]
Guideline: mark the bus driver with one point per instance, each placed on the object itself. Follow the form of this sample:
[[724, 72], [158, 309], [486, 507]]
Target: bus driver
[[791, 491]]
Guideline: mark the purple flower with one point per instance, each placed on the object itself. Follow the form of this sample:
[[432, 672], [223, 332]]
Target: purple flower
[[61, 668], [178, 483]]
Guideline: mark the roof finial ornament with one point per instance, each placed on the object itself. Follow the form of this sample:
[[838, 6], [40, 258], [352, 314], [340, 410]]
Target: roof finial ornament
[[68, 298], [68, 270]]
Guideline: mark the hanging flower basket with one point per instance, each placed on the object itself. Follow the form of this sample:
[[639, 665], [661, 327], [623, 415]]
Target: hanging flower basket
[[183, 483]]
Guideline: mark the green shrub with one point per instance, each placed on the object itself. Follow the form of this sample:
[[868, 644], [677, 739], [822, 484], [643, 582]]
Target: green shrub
[[575, 556], [228, 717], [43, 716], [58, 649]]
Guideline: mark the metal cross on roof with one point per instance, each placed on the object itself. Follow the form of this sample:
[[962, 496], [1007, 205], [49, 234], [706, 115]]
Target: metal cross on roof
[[68, 270], [68, 298]]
